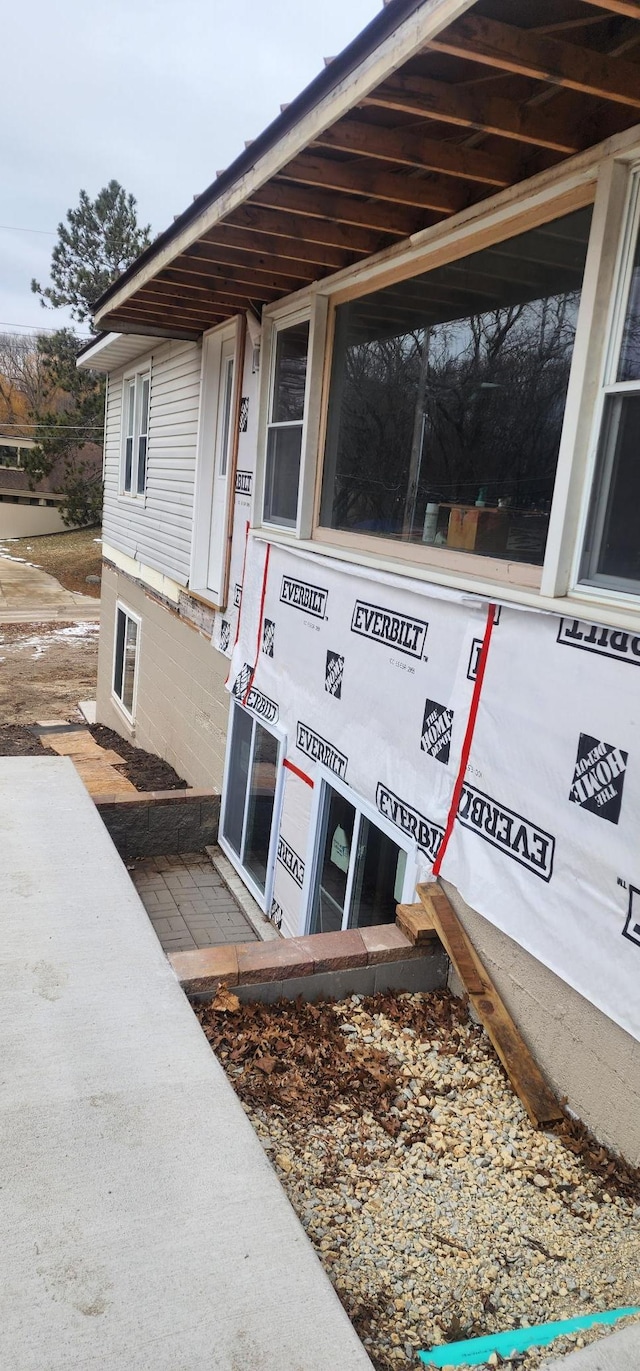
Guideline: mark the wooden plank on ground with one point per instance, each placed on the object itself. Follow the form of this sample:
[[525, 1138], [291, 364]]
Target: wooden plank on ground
[[414, 921], [523, 1071]]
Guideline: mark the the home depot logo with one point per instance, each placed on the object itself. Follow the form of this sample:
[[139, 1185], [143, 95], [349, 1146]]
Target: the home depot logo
[[225, 635], [598, 777], [333, 674], [606, 642], [310, 599], [400, 631], [255, 700], [320, 750], [268, 637], [427, 835], [276, 913], [291, 862], [244, 414], [242, 681], [436, 731], [243, 482], [510, 832], [237, 595]]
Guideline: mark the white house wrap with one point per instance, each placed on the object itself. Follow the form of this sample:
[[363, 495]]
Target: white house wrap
[[377, 680]]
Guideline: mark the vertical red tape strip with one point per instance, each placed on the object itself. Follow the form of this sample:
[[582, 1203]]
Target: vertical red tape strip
[[260, 619], [468, 738]]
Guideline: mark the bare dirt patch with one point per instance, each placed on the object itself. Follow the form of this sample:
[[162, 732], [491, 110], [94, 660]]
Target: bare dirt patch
[[437, 1210], [70, 557], [143, 769], [45, 669]]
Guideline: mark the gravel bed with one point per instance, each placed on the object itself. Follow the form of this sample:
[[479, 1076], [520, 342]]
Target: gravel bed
[[437, 1210]]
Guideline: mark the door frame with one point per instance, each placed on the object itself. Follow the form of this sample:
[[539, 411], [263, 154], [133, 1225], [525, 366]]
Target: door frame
[[324, 777], [206, 455], [261, 898]]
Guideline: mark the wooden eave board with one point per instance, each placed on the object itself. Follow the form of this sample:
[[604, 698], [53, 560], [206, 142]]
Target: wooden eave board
[[339, 206], [523, 1071]]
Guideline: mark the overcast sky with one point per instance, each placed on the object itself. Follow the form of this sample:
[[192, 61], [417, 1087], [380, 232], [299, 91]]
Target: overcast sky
[[159, 94]]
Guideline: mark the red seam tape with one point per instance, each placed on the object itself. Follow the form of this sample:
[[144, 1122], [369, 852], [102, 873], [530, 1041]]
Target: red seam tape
[[468, 738], [297, 772]]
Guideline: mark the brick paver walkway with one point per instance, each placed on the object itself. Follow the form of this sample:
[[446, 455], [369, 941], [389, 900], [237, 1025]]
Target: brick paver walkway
[[188, 904]]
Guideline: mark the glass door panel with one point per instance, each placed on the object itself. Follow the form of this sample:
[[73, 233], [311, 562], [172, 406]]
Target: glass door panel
[[262, 790], [237, 776], [332, 879], [378, 878]]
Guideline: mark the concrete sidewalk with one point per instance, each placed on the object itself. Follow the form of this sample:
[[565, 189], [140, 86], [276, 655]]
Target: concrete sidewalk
[[144, 1228], [616, 1352], [29, 595]]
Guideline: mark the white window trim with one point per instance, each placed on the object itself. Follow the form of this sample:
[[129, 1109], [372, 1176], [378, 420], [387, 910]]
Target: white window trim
[[262, 899], [322, 776], [139, 374], [314, 311], [623, 259], [205, 459], [130, 614]]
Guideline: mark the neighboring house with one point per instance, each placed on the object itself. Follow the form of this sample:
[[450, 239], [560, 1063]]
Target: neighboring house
[[27, 512], [371, 465]]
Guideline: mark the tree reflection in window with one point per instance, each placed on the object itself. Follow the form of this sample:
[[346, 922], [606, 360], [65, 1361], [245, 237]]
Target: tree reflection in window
[[447, 397]]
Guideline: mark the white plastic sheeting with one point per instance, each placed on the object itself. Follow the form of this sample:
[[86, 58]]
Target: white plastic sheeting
[[534, 770]]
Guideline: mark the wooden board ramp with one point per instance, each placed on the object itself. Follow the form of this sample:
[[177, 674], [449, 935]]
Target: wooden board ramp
[[96, 766], [523, 1071], [415, 922]]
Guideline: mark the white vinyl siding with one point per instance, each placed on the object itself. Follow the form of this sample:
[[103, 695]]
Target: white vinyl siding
[[157, 531]]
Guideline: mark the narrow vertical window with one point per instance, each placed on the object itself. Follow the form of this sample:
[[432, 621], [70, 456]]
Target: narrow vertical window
[[226, 416], [130, 413], [125, 659], [143, 435], [137, 391], [612, 549], [284, 435]]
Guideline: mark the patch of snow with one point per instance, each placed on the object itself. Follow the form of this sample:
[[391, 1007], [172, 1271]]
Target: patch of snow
[[41, 642], [98, 540], [81, 630], [8, 558]]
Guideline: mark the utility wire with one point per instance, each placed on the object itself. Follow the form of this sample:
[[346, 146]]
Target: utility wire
[[13, 228], [42, 328]]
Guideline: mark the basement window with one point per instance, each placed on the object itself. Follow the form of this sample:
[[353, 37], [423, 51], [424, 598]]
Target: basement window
[[447, 398], [135, 435], [286, 422], [125, 659], [611, 557]]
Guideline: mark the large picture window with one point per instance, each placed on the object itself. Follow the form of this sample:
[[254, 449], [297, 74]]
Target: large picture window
[[447, 398], [612, 550], [286, 416]]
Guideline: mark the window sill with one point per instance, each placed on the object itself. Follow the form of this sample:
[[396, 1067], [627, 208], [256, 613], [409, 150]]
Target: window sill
[[577, 605], [128, 718]]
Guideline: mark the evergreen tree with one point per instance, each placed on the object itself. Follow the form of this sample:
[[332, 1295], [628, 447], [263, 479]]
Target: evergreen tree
[[100, 239]]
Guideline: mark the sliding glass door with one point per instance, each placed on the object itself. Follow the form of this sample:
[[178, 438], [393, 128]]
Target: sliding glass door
[[250, 801], [360, 871]]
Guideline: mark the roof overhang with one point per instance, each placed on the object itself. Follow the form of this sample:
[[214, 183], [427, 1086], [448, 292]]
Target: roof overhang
[[109, 351], [436, 106]]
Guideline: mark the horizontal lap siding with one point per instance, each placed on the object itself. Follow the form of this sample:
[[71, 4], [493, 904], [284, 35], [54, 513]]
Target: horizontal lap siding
[[158, 531]]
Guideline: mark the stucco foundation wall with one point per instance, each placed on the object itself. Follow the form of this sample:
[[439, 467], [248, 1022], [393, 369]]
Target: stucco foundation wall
[[182, 705], [585, 1056]]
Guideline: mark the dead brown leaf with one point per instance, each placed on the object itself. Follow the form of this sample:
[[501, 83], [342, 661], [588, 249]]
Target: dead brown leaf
[[225, 1001]]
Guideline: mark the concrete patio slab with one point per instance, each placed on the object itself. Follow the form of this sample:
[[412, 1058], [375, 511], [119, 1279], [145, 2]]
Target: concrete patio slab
[[616, 1352], [144, 1229]]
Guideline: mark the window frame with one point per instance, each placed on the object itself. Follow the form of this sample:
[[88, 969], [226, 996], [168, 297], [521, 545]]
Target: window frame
[[452, 564], [122, 608], [138, 376], [213, 341], [324, 778], [310, 306], [263, 899], [585, 580]]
